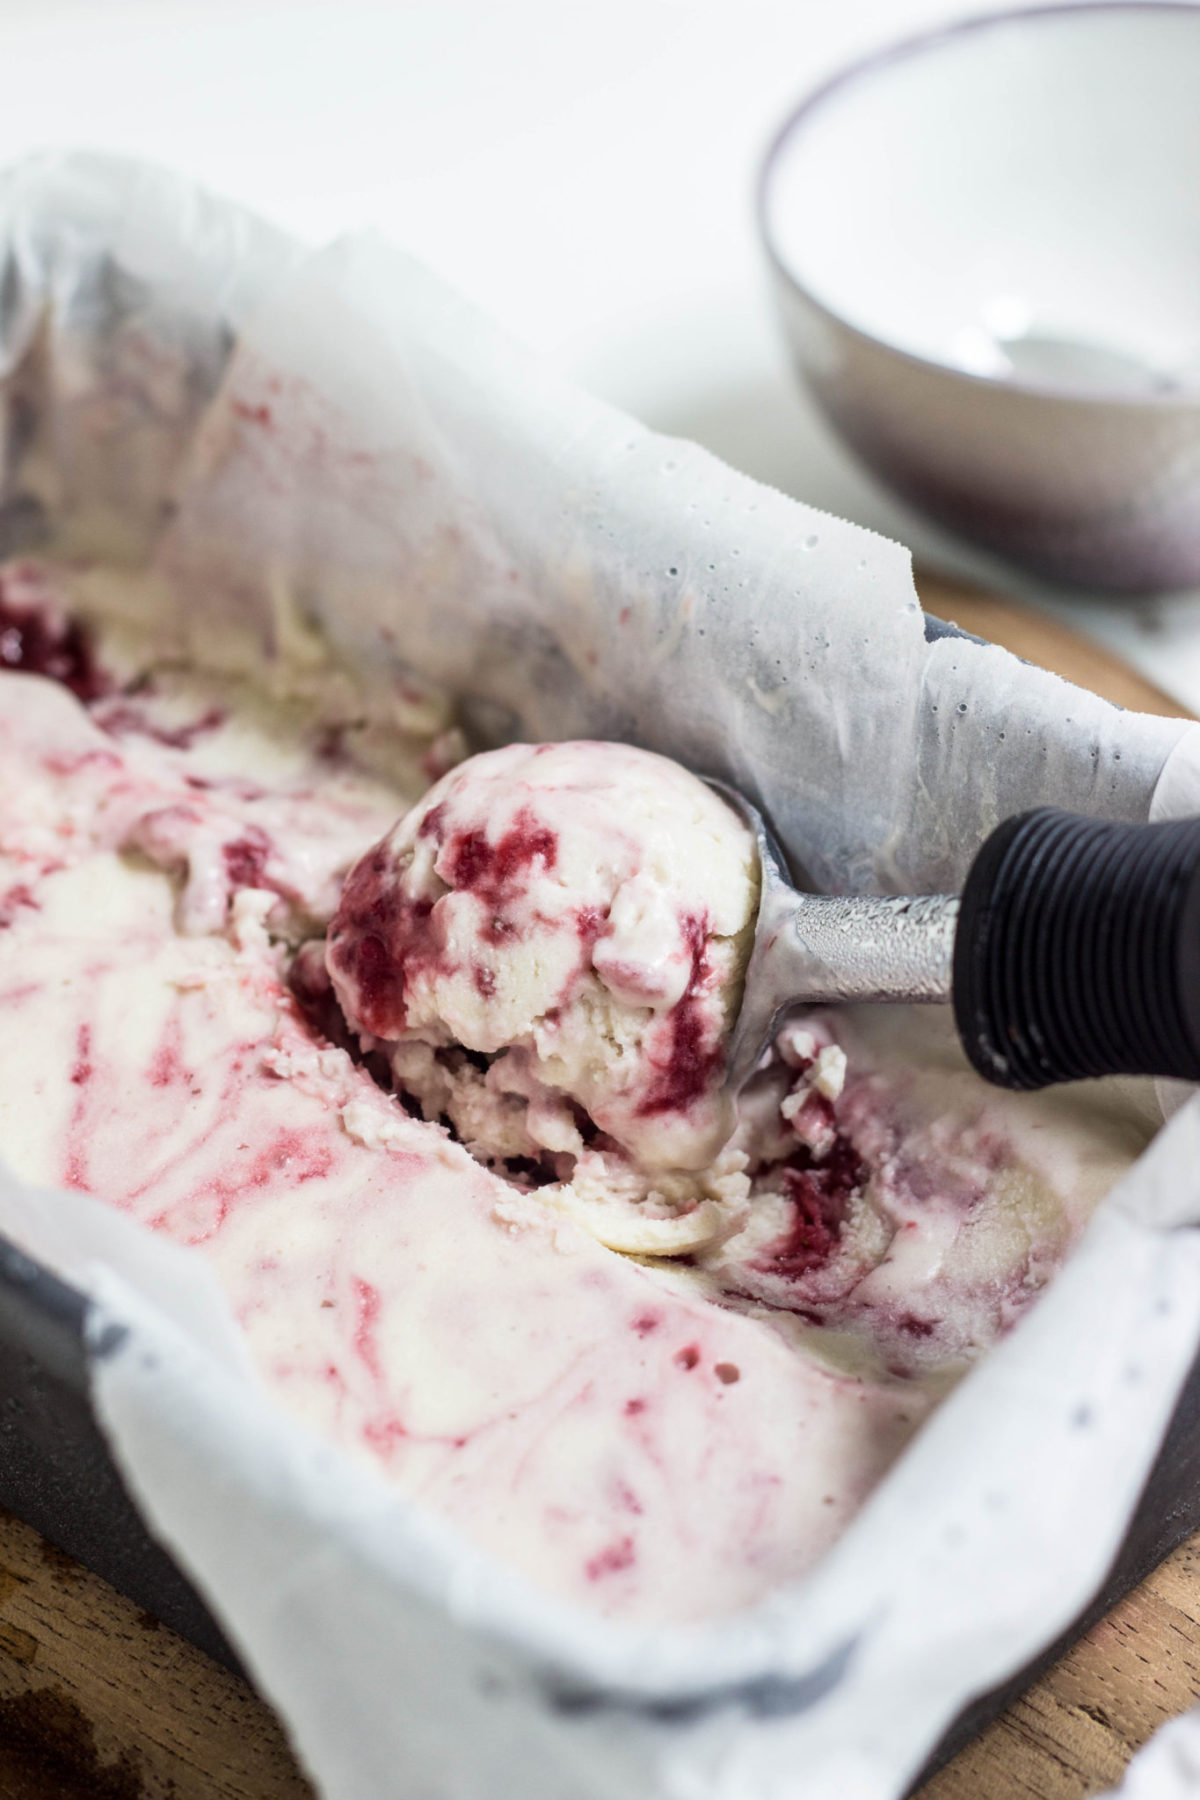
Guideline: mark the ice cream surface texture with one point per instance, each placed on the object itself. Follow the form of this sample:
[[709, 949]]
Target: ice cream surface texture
[[659, 1437], [549, 948]]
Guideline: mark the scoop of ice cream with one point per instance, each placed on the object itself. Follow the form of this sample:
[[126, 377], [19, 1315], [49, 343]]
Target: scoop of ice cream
[[575, 918]]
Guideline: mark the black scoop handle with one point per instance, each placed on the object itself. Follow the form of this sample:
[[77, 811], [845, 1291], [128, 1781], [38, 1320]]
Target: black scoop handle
[[1077, 951]]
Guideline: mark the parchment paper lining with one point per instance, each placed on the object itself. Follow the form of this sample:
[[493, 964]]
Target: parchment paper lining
[[335, 440]]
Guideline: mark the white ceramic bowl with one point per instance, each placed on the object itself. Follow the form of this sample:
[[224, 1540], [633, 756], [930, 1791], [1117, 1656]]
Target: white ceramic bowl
[[985, 244]]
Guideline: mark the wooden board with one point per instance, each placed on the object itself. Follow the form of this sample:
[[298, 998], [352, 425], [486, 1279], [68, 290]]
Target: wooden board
[[99, 1702]]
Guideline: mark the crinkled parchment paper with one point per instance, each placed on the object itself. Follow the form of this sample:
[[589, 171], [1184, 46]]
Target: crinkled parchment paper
[[332, 443]]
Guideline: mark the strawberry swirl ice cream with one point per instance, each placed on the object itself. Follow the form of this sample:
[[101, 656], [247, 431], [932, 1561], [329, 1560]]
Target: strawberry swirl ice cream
[[549, 948]]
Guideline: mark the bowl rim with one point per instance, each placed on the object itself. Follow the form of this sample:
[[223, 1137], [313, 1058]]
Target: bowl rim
[[882, 57]]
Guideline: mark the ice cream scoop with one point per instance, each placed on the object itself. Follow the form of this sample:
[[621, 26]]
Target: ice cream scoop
[[1073, 951]]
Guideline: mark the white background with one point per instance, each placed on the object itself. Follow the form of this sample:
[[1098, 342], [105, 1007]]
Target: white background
[[584, 172]]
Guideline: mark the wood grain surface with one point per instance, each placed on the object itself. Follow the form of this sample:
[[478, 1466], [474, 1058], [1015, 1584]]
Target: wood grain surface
[[100, 1702]]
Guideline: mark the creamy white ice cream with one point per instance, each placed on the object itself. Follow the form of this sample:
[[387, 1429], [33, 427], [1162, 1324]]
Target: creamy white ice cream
[[576, 918]]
